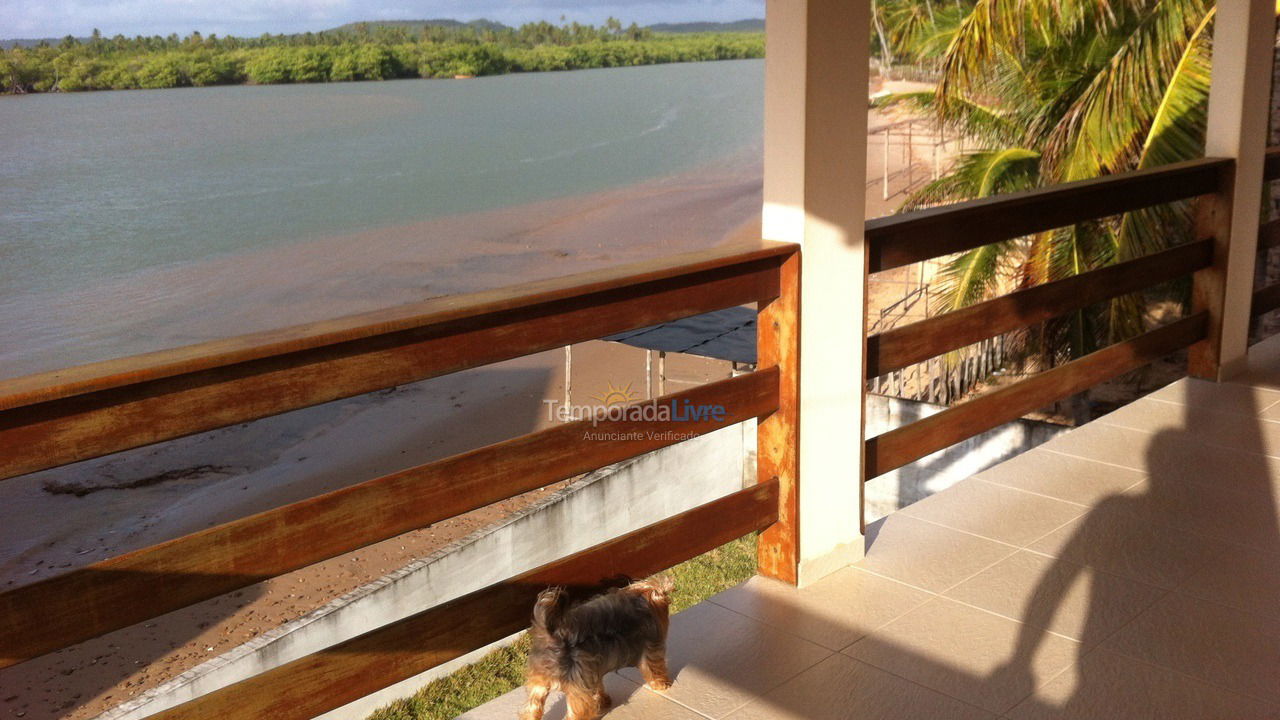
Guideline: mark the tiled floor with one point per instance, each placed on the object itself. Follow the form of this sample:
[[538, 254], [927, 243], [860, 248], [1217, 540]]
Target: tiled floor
[[1128, 569]]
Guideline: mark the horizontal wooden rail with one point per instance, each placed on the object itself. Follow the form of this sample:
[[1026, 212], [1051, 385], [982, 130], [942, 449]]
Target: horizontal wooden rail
[[1269, 235], [62, 417], [909, 443], [307, 687], [121, 591], [1271, 166], [1265, 300], [907, 238], [909, 344]]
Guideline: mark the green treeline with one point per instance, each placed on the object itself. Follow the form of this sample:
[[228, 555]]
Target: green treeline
[[363, 53]]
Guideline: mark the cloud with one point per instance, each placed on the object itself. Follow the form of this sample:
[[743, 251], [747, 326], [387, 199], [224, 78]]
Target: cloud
[[55, 18]]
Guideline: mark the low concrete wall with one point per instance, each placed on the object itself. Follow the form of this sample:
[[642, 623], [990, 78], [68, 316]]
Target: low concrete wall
[[941, 470], [600, 506]]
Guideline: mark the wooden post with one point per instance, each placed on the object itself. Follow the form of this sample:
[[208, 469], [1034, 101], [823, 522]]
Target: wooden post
[[777, 436], [815, 194], [1239, 115]]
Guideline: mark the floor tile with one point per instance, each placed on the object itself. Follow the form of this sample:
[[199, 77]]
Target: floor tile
[[720, 660], [1057, 594], [1198, 425], [841, 688], [834, 612], [1246, 580], [926, 555], [1104, 443], [1107, 685], [1218, 397], [1152, 416], [966, 653], [994, 511], [629, 700], [1263, 365], [1118, 537], [1254, 475], [1238, 514], [1063, 477], [1217, 644]]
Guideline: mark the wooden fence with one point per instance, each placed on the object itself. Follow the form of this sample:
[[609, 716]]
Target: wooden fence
[[914, 237], [70, 415]]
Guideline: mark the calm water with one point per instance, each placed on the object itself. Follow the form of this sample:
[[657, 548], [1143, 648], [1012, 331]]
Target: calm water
[[97, 186]]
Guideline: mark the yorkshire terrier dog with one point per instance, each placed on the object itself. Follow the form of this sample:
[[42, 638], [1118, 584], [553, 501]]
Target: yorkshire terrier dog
[[576, 645]]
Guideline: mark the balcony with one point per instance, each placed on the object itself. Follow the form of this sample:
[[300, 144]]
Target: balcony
[[1128, 568]]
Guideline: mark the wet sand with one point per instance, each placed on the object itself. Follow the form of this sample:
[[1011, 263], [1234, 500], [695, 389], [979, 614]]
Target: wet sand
[[320, 278]]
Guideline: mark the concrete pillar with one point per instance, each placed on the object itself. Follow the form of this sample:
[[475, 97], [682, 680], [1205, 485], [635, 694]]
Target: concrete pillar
[[1239, 115], [815, 194]]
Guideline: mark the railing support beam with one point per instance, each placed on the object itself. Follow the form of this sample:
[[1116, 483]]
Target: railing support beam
[[1239, 113], [815, 194]]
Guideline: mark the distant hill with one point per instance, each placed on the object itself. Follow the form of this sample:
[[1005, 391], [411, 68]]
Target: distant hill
[[752, 25], [480, 24]]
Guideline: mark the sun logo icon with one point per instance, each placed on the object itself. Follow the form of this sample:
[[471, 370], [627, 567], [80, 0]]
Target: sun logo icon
[[616, 395]]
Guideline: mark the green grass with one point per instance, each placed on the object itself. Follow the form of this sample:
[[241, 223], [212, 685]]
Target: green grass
[[502, 670]]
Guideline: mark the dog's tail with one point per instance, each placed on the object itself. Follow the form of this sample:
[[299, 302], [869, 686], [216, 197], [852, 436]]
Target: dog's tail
[[549, 610], [657, 590]]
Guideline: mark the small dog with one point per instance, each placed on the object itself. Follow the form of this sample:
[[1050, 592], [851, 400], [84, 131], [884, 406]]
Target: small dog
[[576, 645]]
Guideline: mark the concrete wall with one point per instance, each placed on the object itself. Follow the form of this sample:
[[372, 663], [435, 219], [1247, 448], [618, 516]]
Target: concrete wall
[[944, 468], [610, 502]]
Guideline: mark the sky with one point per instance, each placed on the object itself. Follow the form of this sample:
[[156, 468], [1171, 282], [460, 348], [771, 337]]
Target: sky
[[57, 18]]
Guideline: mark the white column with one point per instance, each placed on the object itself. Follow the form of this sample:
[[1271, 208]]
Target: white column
[[815, 194], [1239, 114]]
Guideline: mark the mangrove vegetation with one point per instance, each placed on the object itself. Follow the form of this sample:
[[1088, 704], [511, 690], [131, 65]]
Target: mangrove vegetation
[[357, 52]]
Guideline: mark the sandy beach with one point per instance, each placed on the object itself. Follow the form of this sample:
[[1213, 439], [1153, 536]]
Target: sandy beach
[[112, 505]]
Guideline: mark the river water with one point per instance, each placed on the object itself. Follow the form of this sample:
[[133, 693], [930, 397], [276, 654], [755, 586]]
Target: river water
[[128, 220]]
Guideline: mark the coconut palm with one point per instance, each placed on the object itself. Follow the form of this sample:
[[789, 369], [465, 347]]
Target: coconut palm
[[1063, 90]]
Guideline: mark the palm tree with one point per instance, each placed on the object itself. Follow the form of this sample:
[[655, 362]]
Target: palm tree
[[1063, 90]]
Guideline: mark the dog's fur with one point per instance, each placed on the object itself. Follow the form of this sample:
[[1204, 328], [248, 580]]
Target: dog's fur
[[575, 646]]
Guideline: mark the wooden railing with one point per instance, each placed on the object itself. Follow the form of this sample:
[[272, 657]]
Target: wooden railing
[[913, 237], [71, 415], [1267, 297]]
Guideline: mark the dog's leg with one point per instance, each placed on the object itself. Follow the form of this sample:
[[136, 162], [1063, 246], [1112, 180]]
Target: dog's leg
[[583, 703], [653, 666], [537, 701]]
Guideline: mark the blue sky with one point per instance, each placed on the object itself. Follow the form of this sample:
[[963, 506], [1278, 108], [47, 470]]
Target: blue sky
[[56, 18]]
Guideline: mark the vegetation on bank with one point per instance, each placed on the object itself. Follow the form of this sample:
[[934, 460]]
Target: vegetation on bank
[[378, 52], [1115, 86], [502, 670]]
